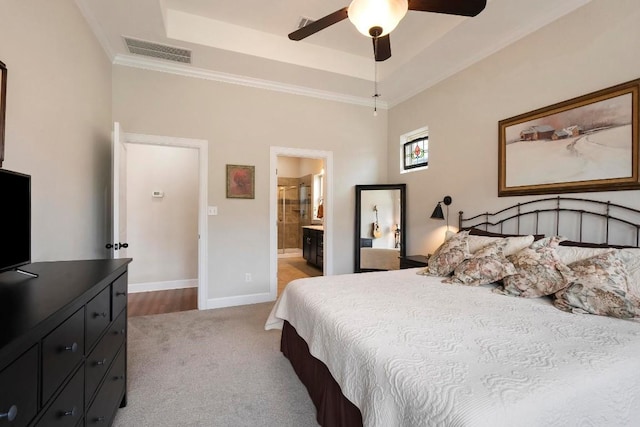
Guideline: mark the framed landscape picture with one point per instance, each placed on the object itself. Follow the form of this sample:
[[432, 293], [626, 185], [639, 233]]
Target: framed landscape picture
[[3, 107], [589, 143], [240, 182]]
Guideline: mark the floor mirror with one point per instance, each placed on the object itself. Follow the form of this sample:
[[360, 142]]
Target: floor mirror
[[380, 227]]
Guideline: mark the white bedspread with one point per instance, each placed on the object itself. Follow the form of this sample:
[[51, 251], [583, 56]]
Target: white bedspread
[[411, 351]]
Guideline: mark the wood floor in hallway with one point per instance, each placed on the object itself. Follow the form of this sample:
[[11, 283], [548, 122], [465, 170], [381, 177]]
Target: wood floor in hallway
[[158, 302], [170, 301]]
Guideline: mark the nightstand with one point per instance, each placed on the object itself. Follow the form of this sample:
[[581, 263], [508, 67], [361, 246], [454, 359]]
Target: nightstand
[[413, 261]]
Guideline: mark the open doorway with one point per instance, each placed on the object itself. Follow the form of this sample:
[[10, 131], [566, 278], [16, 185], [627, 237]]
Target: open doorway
[[157, 198], [301, 239], [300, 218]]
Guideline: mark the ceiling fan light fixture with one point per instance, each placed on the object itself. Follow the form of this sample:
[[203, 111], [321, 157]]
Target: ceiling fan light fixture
[[386, 14]]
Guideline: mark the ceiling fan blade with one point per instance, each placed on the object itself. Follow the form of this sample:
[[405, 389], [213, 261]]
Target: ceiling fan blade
[[382, 48], [318, 25], [451, 7]]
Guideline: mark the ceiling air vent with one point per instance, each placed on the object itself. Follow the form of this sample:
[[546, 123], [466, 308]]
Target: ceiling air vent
[[304, 22], [156, 50]]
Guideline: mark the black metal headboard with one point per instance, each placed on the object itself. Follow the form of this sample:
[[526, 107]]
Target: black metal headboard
[[581, 220]]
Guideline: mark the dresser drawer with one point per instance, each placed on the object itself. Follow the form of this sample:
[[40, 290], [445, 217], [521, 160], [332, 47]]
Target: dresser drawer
[[98, 316], [119, 297], [101, 357], [62, 350], [67, 409], [19, 391], [108, 398]]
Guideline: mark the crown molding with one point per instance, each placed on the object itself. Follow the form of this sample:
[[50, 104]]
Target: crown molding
[[96, 28], [200, 73]]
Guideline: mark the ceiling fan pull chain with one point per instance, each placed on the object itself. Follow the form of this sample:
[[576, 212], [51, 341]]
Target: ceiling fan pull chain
[[375, 79]]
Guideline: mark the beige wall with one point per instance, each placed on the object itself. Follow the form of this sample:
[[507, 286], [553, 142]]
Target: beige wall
[[310, 166], [162, 232], [288, 167], [58, 124], [593, 48], [295, 167], [241, 124]]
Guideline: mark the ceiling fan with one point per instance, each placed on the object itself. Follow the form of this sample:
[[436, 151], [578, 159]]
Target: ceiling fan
[[377, 18]]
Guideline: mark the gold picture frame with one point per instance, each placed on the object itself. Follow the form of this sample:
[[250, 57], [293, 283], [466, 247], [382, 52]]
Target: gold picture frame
[[241, 182], [588, 143]]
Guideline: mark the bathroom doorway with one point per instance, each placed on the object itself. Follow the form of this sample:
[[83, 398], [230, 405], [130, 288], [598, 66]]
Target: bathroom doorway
[[300, 239], [300, 198]]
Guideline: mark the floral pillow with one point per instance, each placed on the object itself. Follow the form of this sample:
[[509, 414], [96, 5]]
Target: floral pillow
[[630, 257], [631, 260], [487, 265], [599, 286], [540, 271], [512, 244], [447, 257]]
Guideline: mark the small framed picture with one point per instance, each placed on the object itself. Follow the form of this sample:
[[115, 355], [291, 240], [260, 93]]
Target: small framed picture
[[241, 182]]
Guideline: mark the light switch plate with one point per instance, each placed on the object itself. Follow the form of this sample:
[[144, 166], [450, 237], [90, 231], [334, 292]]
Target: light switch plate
[[212, 210]]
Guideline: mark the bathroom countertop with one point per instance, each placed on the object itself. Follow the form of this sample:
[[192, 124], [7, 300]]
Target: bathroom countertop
[[314, 227]]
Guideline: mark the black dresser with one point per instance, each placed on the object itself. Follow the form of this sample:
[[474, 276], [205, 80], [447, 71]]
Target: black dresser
[[63, 343]]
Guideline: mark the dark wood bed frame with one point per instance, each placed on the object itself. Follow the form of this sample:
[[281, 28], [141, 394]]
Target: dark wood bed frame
[[534, 217]]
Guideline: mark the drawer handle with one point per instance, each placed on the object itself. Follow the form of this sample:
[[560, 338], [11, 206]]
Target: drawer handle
[[101, 362], [11, 414], [71, 413], [118, 377], [120, 332], [72, 348], [99, 419], [103, 314], [121, 294]]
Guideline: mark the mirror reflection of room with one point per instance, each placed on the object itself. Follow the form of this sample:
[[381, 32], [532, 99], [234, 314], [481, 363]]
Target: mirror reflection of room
[[300, 218], [380, 214], [380, 238]]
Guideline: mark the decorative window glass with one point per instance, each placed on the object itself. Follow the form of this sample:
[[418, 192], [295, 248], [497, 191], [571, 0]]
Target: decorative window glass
[[414, 150], [416, 153]]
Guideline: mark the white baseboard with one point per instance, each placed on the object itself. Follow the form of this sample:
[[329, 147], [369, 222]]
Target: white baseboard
[[162, 286], [239, 300]]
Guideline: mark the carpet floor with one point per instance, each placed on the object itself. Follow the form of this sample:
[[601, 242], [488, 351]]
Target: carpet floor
[[211, 368]]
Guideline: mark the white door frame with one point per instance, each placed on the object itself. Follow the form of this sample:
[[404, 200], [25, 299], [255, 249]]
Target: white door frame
[[327, 157], [203, 158]]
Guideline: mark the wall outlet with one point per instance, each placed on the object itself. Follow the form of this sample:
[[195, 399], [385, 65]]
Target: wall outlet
[[247, 277]]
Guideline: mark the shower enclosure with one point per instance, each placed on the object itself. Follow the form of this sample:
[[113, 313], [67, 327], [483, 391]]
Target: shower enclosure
[[294, 199]]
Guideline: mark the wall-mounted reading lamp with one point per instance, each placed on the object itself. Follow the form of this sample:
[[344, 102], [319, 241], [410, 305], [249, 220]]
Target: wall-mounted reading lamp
[[437, 212]]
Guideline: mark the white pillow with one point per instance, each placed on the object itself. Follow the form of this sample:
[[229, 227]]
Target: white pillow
[[513, 244], [570, 254], [631, 260]]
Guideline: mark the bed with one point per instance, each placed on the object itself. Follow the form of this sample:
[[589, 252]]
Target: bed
[[399, 348]]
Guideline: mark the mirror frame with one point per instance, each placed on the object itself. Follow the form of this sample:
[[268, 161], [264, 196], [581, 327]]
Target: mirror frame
[[358, 221]]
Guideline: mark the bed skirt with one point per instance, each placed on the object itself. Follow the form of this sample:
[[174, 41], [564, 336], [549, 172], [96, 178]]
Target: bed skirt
[[333, 409]]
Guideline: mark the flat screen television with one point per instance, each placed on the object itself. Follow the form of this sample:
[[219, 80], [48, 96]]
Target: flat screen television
[[15, 220]]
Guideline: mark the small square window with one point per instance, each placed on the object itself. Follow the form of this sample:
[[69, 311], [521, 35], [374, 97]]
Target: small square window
[[416, 153], [414, 150]]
